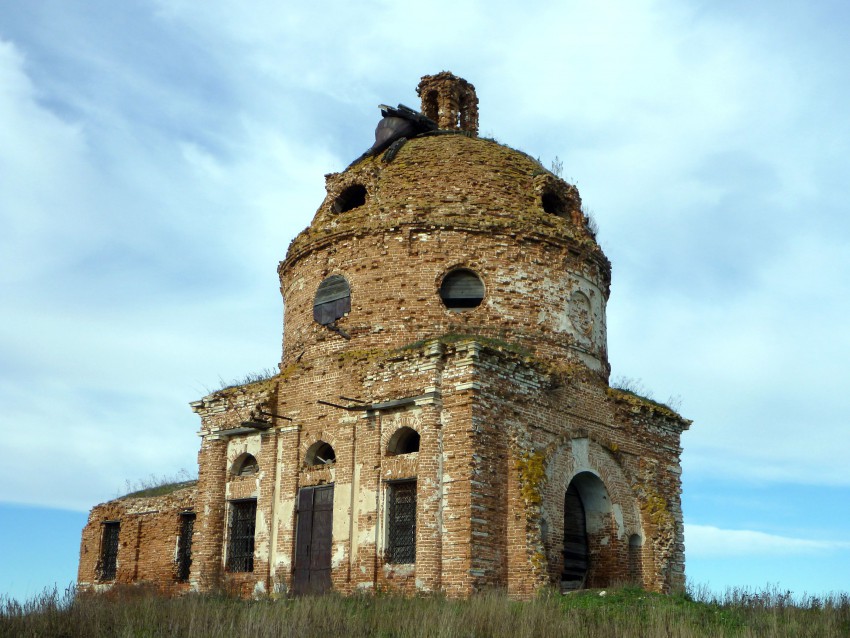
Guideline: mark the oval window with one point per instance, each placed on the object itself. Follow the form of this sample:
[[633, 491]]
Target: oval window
[[462, 290]]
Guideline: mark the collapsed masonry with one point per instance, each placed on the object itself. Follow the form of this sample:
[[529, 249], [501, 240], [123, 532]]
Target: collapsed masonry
[[441, 420]]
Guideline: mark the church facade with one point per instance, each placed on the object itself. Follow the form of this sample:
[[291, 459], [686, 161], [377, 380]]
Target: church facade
[[441, 420]]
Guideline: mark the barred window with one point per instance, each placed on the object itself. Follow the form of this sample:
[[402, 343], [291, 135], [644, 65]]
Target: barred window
[[184, 546], [109, 550], [401, 522], [240, 537]]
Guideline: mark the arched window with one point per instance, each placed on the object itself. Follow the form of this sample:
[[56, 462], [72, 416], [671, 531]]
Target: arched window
[[352, 197], [320, 453], [333, 300], [404, 441], [462, 290], [245, 465]]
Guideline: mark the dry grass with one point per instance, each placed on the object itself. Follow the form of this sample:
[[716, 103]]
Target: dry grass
[[626, 612], [158, 485]]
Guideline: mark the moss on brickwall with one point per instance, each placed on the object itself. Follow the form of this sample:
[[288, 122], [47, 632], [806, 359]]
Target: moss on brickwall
[[454, 338], [448, 181], [642, 403], [363, 356], [289, 371], [654, 507], [531, 468], [260, 385]]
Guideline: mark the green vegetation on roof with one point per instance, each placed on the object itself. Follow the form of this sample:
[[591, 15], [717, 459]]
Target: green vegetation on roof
[[161, 490]]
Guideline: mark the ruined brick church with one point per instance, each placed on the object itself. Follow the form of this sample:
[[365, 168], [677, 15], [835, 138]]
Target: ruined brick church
[[441, 420]]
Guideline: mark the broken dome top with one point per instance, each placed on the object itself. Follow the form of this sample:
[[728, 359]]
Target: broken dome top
[[449, 104], [431, 167]]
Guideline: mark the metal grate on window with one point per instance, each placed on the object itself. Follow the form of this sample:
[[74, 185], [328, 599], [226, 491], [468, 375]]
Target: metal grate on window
[[401, 539], [240, 544], [184, 546], [109, 550]]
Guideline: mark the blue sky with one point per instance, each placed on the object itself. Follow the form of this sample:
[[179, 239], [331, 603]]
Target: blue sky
[[156, 159]]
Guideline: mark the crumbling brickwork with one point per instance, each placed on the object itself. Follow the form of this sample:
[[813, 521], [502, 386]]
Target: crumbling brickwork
[[148, 541], [441, 420]]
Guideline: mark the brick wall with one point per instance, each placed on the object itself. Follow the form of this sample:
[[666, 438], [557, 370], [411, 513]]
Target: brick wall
[[149, 528]]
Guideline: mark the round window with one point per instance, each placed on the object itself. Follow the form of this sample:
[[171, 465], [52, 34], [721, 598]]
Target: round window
[[462, 290]]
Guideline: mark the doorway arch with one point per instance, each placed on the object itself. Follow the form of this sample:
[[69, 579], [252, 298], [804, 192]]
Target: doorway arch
[[587, 510]]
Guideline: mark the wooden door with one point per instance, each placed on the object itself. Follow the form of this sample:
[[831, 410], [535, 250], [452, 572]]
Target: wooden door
[[313, 540]]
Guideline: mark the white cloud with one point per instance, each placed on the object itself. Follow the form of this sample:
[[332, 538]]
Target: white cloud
[[152, 182], [706, 541], [44, 162]]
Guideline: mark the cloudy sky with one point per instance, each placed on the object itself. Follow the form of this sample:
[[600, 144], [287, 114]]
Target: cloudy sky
[[157, 157]]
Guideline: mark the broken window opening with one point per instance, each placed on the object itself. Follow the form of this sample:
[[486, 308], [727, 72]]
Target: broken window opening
[[245, 465], [401, 522], [462, 290], [333, 300], [352, 197], [240, 536], [320, 453], [429, 106], [553, 204], [109, 550], [404, 441], [184, 546]]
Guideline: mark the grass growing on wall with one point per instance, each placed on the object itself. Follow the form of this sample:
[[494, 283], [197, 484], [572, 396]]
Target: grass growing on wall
[[624, 612], [155, 485]]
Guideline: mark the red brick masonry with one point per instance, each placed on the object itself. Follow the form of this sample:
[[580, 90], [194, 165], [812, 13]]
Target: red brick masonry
[[510, 399]]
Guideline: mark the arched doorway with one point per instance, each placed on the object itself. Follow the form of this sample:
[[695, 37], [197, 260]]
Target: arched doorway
[[586, 526]]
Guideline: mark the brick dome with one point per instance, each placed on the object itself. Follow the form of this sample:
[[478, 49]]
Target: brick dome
[[395, 225]]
